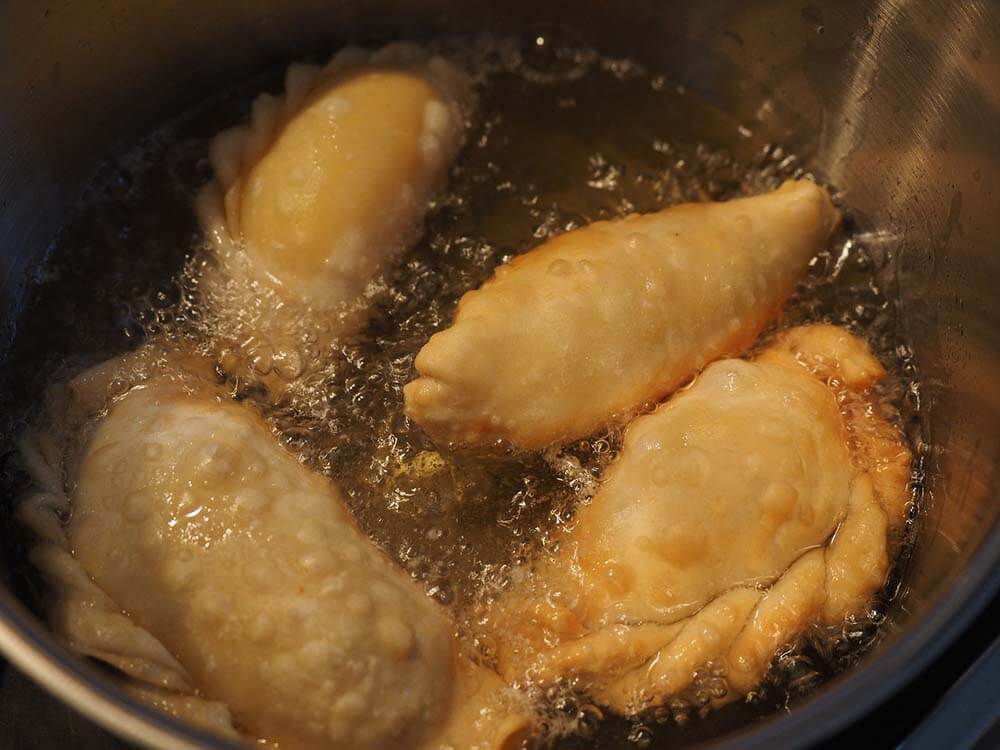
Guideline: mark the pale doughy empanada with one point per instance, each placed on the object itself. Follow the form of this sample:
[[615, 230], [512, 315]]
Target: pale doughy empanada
[[325, 187], [591, 325], [244, 578], [751, 505]]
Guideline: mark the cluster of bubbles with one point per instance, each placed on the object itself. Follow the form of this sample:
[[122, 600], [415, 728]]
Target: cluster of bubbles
[[560, 136]]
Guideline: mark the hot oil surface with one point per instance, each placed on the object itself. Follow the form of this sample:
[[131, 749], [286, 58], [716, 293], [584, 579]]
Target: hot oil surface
[[560, 137]]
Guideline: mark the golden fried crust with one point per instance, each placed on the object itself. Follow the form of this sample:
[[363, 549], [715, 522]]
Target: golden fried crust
[[593, 324], [211, 566], [315, 198], [254, 575], [738, 514]]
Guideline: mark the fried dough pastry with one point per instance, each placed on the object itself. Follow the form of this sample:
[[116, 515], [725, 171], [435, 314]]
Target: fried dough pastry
[[325, 187], [248, 588], [760, 501], [591, 325]]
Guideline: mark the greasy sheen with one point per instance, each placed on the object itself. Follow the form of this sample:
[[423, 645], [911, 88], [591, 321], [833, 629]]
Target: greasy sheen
[[596, 322], [251, 572], [756, 502], [329, 182]]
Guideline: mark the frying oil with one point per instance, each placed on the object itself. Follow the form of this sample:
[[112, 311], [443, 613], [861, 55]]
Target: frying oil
[[559, 137]]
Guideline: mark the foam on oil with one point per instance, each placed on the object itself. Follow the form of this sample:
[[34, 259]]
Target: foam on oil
[[560, 137]]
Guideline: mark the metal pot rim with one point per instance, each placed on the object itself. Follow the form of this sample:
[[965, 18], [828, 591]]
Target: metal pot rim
[[30, 647]]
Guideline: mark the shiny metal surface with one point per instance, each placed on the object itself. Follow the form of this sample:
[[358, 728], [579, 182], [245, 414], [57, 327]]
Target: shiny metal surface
[[897, 102]]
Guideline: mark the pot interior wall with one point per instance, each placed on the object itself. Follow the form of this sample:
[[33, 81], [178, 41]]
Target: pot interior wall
[[895, 102]]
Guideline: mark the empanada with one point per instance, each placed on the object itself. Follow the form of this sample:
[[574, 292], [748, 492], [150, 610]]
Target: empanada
[[593, 324], [209, 563], [321, 191], [759, 501]]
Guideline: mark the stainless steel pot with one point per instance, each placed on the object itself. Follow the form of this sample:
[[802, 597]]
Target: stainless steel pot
[[896, 101]]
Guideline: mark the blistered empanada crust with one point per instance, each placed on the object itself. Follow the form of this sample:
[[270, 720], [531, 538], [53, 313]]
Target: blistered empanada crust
[[210, 564], [595, 323], [757, 502], [321, 191]]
